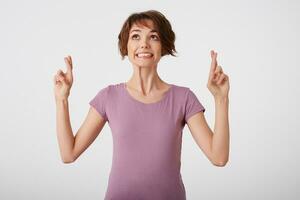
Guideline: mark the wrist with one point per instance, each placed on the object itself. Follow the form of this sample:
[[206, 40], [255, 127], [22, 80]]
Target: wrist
[[224, 99], [61, 100]]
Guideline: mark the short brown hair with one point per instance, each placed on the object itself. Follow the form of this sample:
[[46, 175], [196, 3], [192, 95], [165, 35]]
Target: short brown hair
[[161, 24]]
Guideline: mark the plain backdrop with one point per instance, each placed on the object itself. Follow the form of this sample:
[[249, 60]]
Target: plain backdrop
[[258, 48]]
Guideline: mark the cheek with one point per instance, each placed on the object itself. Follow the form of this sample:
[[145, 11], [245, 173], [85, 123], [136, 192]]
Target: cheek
[[158, 49], [130, 48], [130, 52], [158, 46]]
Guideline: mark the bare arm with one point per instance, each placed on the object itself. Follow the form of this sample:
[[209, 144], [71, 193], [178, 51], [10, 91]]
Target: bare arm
[[64, 131], [72, 147], [220, 142], [215, 145]]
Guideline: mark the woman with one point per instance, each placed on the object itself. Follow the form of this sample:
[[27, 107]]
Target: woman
[[146, 116]]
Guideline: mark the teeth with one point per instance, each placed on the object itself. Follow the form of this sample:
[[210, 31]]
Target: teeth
[[144, 55]]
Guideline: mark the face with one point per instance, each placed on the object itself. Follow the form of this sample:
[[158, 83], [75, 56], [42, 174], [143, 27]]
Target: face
[[144, 45]]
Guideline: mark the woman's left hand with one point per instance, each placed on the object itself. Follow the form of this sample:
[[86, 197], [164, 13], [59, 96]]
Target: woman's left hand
[[218, 82]]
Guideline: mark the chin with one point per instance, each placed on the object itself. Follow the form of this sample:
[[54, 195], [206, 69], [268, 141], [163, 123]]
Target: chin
[[144, 65]]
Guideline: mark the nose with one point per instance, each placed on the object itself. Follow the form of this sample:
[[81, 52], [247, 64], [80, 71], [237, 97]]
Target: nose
[[144, 43]]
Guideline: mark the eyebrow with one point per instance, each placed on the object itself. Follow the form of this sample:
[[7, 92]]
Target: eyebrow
[[138, 30]]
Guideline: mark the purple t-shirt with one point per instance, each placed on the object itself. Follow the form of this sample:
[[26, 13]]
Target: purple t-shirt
[[146, 142]]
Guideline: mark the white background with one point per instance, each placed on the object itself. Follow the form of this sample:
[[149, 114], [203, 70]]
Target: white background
[[257, 44]]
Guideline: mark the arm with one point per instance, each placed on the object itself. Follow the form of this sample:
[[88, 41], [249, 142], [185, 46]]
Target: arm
[[64, 131], [72, 147], [214, 145]]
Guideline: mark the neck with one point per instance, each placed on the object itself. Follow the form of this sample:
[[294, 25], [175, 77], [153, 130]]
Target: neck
[[145, 80]]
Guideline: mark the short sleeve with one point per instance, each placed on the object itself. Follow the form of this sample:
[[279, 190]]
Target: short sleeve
[[192, 105], [99, 102]]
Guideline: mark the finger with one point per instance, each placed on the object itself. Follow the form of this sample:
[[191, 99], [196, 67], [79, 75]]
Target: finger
[[69, 66], [70, 59], [214, 63], [226, 77], [60, 72], [221, 78], [57, 79], [62, 79], [216, 76], [219, 69]]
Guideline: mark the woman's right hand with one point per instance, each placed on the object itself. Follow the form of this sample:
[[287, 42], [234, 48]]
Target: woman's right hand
[[63, 81]]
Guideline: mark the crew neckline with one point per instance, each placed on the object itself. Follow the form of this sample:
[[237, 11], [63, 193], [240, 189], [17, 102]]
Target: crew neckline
[[165, 95]]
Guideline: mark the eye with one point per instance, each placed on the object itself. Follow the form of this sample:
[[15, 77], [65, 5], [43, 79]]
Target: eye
[[155, 37], [134, 36]]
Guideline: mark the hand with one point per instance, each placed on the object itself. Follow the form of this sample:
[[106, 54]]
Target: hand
[[218, 82], [63, 81]]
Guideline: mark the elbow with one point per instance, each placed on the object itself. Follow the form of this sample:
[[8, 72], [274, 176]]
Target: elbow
[[67, 159], [219, 161], [220, 164]]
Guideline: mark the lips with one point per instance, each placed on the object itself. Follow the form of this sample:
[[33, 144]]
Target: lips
[[144, 55]]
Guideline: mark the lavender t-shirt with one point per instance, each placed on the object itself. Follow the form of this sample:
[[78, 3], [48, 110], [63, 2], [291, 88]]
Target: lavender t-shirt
[[147, 141]]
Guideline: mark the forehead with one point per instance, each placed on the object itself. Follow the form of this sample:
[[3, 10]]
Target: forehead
[[145, 24]]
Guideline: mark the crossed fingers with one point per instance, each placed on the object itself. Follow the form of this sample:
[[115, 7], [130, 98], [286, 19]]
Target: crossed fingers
[[216, 72]]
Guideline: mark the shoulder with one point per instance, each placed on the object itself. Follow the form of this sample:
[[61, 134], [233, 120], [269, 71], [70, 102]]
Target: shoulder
[[181, 90], [110, 88], [110, 91], [185, 94]]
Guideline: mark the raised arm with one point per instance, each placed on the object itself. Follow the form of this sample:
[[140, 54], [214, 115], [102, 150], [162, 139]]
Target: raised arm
[[71, 147], [215, 144]]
